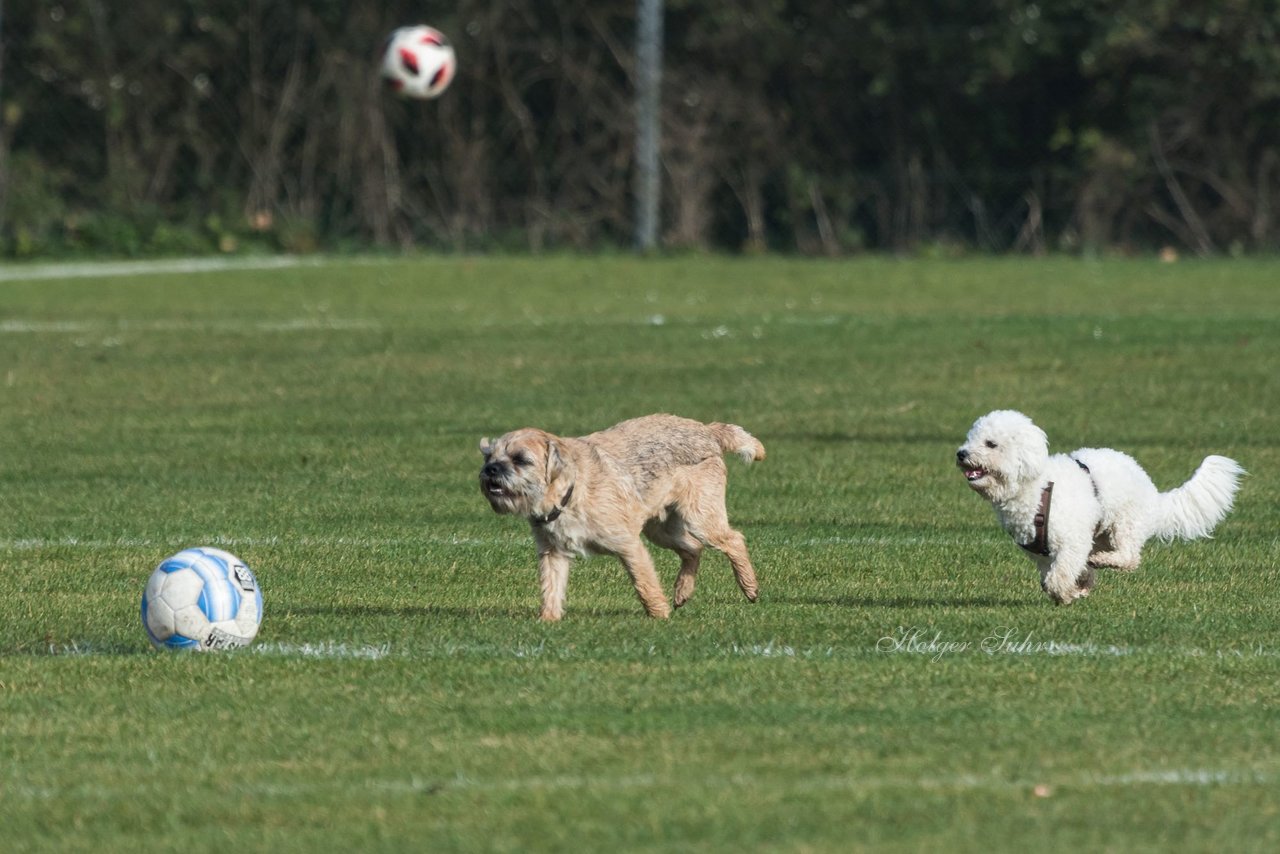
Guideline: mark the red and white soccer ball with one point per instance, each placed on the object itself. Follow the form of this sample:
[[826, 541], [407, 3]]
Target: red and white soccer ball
[[419, 62]]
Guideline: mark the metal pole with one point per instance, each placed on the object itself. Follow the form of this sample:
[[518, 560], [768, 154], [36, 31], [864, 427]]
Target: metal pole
[[648, 121], [4, 146]]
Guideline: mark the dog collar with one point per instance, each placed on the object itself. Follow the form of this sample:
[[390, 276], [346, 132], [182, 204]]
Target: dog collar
[[1040, 545], [555, 511]]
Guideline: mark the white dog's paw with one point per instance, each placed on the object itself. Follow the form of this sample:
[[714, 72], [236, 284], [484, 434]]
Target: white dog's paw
[[1063, 594], [1065, 587], [1114, 560]]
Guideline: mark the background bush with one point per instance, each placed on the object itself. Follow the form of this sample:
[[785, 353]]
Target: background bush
[[816, 127]]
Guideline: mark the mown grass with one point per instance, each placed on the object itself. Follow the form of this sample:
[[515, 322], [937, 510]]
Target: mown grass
[[322, 422]]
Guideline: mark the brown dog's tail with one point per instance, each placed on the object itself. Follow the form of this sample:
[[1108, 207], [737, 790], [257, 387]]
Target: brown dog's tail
[[733, 438]]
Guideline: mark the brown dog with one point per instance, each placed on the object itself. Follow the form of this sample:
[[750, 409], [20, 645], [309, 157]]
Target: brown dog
[[660, 475]]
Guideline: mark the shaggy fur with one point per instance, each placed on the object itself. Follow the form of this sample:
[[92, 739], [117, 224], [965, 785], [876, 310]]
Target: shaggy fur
[[659, 475], [1101, 517]]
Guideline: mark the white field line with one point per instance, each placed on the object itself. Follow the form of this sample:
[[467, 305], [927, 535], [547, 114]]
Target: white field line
[[22, 544], [17, 326], [115, 269], [77, 327], [324, 650], [91, 544], [447, 649], [1044, 787], [85, 327]]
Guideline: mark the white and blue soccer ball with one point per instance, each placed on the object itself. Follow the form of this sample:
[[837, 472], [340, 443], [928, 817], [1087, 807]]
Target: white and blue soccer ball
[[418, 62], [203, 599]]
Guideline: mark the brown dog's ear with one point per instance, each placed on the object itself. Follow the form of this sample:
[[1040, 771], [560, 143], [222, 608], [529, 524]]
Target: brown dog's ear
[[555, 464], [486, 447]]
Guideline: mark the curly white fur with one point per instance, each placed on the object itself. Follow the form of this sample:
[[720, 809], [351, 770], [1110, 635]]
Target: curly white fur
[[1099, 517]]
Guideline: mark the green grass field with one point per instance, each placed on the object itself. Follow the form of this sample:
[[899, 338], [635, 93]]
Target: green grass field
[[321, 421]]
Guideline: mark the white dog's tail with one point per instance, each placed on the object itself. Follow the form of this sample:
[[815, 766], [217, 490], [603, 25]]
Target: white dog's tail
[[1194, 509], [733, 438]]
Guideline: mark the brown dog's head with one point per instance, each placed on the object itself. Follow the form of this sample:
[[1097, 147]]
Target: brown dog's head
[[519, 471]]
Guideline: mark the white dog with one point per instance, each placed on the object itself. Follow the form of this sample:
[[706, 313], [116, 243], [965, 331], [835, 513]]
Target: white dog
[[1092, 508]]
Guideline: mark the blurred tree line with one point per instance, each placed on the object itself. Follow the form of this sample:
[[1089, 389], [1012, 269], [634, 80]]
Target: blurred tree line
[[185, 126]]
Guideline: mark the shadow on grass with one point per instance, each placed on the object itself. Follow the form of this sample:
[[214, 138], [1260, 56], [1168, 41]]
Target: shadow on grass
[[525, 613], [406, 611], [908, 602], [869, 437]]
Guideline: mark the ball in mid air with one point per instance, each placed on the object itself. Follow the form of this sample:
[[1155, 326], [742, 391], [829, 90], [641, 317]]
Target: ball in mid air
[[419, 62]]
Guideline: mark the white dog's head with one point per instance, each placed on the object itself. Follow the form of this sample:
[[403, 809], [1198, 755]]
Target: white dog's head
[[1003, 451]]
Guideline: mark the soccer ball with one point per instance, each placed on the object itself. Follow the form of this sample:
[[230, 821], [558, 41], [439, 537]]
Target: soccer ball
[[202, 599], [418, 62]]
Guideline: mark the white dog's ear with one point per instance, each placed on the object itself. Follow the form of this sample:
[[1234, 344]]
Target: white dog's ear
[[486, 447], [555, 464], [1033, 451]]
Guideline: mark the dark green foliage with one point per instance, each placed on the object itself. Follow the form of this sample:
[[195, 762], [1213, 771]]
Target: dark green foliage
[[819, 127]]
